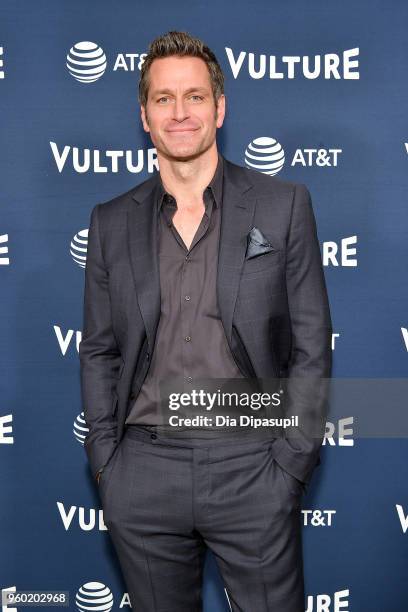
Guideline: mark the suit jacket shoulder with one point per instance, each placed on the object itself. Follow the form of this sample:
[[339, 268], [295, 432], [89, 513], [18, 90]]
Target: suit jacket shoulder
[[263, 182]]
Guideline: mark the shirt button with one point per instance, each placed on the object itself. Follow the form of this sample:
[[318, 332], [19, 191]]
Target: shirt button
[[187, 338], [187, 297], [189, 378]]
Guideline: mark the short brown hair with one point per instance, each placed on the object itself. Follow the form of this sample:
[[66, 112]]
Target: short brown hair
[[180, 44]]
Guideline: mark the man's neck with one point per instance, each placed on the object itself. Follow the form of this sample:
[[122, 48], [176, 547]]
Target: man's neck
[[187, 180]]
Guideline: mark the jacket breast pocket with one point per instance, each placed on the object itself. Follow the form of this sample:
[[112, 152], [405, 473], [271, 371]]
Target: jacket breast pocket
[[263, 262]]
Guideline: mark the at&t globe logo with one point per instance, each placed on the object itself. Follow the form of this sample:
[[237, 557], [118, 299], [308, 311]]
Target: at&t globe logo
[[94, 596], [79, 247], [81, 428], [265, 155], [86, 62]]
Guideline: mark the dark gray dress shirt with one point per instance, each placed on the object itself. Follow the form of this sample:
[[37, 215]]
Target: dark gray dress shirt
[[190, 341]]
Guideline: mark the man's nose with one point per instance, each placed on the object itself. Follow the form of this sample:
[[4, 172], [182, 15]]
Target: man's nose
[[180, 110]]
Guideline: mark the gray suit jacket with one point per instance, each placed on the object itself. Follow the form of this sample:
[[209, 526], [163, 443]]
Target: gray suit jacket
[[274, 307]]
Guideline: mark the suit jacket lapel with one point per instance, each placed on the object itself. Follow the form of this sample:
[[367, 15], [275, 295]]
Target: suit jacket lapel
[[238, 207], [237, 211], [142, 241]]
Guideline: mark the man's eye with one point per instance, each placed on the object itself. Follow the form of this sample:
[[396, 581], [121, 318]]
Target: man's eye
[[197, 96], [163, 98]]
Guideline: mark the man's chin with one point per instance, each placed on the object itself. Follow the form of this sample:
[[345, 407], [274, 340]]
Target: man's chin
[[183, 153]]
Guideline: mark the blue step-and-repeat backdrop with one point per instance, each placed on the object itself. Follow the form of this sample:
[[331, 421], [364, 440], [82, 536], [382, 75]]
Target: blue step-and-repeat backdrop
[[323, 83]]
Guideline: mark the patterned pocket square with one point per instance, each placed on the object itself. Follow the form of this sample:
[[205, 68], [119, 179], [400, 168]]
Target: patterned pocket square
[[257, 244]]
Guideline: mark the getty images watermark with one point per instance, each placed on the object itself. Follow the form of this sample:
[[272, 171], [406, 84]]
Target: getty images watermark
[[253, 405], [307, 406], [214, 401]]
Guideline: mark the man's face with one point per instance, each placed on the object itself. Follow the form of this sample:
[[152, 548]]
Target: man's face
[[181, 114]]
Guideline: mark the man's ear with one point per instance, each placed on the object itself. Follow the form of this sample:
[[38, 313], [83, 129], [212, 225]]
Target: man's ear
[[144, 119], [220, 110]]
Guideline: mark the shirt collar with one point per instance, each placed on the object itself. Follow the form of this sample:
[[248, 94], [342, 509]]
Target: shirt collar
[[215, 185]]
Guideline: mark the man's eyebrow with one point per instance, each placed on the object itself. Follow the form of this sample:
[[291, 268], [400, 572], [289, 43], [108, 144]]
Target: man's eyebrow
[[169, 91]]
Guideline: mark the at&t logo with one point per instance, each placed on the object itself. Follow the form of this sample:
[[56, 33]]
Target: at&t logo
[[86, 62], [267, 155], [94, 596]]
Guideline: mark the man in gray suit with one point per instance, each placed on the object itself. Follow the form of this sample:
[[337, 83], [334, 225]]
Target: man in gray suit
[[205, 270]]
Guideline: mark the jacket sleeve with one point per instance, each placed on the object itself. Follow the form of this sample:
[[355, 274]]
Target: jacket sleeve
[[100, 359], [306, 387]]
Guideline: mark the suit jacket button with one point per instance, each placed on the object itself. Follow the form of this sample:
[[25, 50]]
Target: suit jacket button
[[132, 396]]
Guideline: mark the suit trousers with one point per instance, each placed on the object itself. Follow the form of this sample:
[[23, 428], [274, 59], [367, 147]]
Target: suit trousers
[[167, 499]]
